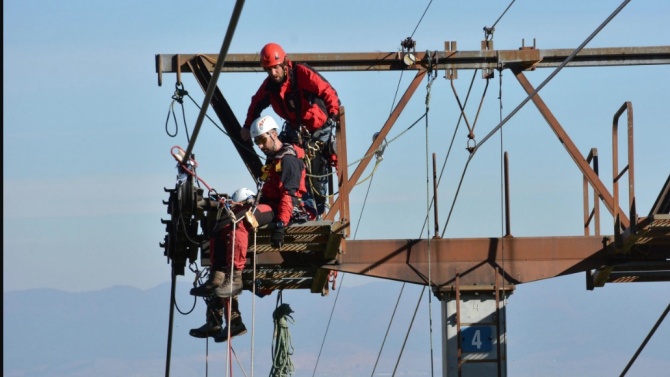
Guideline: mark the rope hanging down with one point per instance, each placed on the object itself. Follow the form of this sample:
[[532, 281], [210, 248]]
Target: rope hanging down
[[282, 366], [178, 96]]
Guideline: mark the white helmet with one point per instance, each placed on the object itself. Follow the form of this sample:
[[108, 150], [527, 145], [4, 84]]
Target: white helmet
[[242, 195], [262, 125]]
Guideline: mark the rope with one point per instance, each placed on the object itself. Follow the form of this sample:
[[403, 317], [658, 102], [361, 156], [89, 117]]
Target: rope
[[367, 192], [282, 349], [253, 297], [178, 96], [185, 166], [234, 222], [176, 305]]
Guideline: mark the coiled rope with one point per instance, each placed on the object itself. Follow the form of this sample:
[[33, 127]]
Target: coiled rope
[[282, 349]]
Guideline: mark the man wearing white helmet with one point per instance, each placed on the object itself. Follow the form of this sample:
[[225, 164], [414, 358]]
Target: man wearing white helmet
[[281, 193]]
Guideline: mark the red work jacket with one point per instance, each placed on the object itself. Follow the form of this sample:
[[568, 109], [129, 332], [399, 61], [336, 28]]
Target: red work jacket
[[285, 183], [303, 90]]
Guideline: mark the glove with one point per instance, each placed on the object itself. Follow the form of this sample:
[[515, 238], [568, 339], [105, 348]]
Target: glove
[[245, 134], [277, 237]]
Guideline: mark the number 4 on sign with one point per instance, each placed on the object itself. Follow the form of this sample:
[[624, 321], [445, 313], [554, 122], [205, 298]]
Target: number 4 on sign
[[476, 339]]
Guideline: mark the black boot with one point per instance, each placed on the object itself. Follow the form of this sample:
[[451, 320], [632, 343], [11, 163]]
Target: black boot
[[236, 328], [208, 329], [214, 320]]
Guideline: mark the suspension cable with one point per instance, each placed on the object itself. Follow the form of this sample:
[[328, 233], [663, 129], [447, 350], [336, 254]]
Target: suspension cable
[[431, 78], [237, 10], [644, 343], [379, 160], [551, 76], [428, 206], [503, 206], [528, 98], [244, 146], [323, 341], [488, 31], [407, 43], [453, 138], [388, 328], [421, 19], [404, 343], [365, 200]]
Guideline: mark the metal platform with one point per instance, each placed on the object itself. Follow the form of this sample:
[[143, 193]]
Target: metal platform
[[642, 252], [307, 247], [644, 255], [297, 265]]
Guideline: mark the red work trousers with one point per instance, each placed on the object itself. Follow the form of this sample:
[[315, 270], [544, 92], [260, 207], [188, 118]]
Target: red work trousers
[[236, 241]]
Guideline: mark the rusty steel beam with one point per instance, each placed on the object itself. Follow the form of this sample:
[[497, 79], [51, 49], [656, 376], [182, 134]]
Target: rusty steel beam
[[571, 148], [393, 61], [478, 261]]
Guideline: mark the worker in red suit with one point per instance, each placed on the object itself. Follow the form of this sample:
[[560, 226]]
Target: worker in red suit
[[310, 107], [281, 193]]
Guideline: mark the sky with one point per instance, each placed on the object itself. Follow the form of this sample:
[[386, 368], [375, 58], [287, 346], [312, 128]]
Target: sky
[[86, 145]]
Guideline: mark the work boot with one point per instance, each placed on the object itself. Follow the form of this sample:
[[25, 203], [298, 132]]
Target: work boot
[[236, 328], [207, 288], [208, 329], [214, 320], [230, 287]]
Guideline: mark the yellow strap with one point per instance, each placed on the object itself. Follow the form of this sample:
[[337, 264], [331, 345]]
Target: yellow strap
[[251, 219], [266, 172]]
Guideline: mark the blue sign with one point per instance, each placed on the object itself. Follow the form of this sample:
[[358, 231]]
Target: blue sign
[[476, 339]]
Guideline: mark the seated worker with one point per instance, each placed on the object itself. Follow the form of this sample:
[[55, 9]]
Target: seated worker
[[217, 307], [280, 196], [310, 107]]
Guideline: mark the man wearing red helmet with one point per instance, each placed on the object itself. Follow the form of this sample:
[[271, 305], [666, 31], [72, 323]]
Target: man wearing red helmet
[[309, 105]]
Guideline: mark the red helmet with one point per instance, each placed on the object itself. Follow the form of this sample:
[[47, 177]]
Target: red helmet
[[272, 54]]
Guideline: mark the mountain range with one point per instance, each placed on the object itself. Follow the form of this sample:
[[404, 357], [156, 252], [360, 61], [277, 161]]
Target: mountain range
[[123, 331]]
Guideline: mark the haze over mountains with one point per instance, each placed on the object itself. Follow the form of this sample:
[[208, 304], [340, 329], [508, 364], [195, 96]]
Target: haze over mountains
[[123, 331]]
